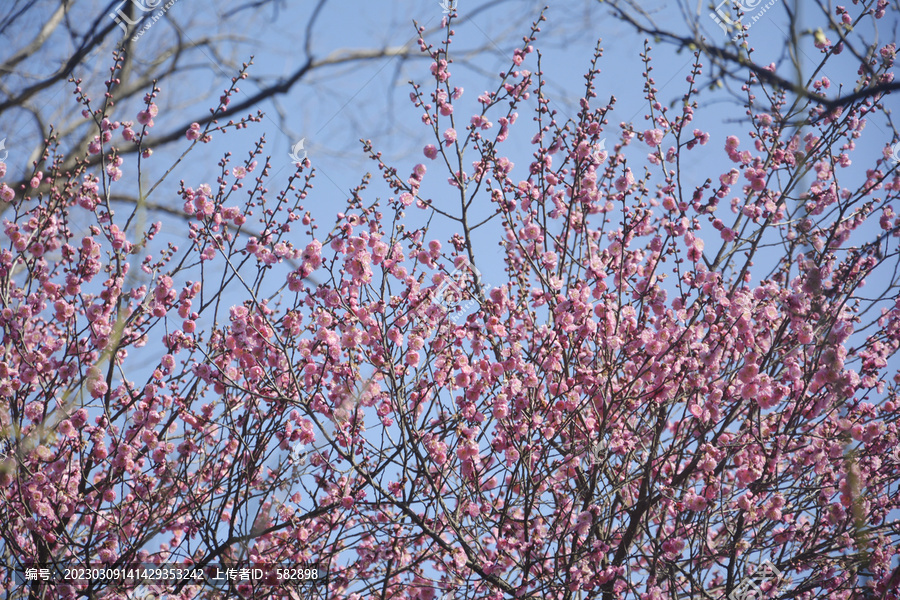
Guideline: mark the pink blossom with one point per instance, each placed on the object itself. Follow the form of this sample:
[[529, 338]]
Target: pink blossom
[[96, 384], [145, 117], [672, 548], [481, 122], [695, 503], [625, 181], [653, 137], [312, 254], [449, 136], [34, 411], [467, 451], [79, 418], [729, 178]]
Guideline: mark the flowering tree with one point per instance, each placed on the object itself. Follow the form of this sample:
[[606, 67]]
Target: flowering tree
[[658, 396]]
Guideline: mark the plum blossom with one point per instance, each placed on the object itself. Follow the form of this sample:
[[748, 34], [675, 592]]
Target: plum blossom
[[625, 181], [449, 136], [653, 137]]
